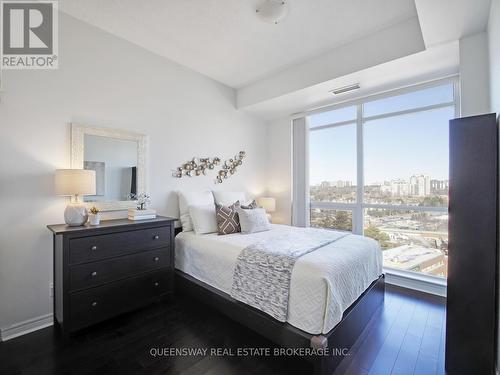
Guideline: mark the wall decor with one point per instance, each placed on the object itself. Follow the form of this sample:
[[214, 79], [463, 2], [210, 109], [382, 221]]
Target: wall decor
[[196, 167], [201, 166], [230, 167]]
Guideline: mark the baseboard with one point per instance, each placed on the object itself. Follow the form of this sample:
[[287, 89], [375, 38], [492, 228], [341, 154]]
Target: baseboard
[[420, 283], [25, 327]]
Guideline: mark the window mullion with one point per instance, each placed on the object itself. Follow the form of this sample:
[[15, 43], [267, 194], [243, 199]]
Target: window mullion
[[358, 212]]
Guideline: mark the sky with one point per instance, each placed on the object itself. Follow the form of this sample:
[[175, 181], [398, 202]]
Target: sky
[[394, 147]]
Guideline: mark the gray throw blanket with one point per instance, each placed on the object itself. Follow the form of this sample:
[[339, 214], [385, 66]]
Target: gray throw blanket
[[263, 270]]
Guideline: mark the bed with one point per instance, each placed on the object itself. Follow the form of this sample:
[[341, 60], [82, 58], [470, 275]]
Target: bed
[[334, 290]]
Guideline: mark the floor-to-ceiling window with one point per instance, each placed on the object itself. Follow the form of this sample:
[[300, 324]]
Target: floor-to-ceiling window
[[379, 167]]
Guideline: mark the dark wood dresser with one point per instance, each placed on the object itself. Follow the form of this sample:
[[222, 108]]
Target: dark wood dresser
[[105, 270]]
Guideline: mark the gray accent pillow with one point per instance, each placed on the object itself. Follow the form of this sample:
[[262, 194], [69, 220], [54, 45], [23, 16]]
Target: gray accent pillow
[[252, 221]]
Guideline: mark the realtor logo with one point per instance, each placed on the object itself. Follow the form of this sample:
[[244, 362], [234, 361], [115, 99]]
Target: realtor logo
[[29, 34]]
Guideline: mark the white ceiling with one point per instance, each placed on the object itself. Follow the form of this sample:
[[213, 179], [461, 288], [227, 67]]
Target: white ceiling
[[448, 20], [224, 40], [401, 40], [433, 63], [441, 24]]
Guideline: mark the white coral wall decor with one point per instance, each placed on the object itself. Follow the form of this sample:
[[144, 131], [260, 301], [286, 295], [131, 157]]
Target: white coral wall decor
[[201, 166]]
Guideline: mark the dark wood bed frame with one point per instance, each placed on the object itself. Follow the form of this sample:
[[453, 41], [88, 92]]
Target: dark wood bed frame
[[341, 337]]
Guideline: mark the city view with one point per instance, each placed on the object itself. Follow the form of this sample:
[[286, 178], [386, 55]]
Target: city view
[[402, 152], [412, 240]]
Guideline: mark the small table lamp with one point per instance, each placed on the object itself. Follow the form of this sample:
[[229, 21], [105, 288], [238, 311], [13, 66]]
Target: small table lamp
[[75, 183], [267, 203]]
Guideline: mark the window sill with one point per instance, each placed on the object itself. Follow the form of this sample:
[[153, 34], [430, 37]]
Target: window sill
[[411, 280]]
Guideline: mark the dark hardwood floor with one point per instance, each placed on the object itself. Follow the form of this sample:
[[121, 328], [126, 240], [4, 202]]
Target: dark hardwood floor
[[406, 336]]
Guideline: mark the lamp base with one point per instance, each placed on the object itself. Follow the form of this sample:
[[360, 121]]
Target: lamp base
[[76, 214]]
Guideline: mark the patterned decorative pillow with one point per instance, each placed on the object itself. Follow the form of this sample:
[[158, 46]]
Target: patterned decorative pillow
[[228, 221]]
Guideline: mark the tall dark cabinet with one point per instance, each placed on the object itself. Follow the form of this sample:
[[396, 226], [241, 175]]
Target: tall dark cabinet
[[473, 246]]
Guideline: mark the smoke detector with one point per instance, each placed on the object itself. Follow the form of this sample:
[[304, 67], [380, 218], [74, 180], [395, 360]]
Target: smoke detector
[[272, 11]]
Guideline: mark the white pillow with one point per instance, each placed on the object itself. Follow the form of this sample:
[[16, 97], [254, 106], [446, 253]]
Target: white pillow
[[252, 221], [227, 198], [204, 218], [187, 199]]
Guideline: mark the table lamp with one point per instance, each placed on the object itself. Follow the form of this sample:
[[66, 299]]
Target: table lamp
[[267, 203], [75, 183]]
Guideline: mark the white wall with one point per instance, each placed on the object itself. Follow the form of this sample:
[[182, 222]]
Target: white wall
[[474, 75], [494, 55], [103, 81], [279, 168]]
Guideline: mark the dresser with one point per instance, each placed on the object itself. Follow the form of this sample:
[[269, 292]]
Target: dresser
[[106, 270]]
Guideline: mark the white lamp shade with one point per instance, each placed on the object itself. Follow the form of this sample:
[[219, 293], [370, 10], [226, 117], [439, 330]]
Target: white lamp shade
[[75, 182], [269, 204]]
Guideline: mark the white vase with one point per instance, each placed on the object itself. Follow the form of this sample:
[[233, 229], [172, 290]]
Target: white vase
[[75, 214], [95, 219]]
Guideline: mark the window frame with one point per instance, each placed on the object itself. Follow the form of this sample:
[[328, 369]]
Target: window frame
[[359, 207]]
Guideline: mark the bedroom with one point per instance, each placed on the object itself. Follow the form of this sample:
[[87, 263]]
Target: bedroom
[[341, 110]]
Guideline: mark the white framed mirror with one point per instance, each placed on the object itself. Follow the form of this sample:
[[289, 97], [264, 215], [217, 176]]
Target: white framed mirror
[[119, 159]]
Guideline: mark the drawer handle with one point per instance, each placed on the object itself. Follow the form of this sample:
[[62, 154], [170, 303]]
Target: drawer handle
[[156, 259], [94, 304], [93, 274], [93, 248], [156, 237], [157, 283]]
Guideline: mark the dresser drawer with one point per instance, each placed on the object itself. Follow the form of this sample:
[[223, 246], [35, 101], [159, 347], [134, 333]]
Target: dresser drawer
[[96, 304], [96, 273], [88, 249]]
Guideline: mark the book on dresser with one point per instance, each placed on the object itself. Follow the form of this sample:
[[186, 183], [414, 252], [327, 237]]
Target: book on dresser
[[103, 271], [135, 214]]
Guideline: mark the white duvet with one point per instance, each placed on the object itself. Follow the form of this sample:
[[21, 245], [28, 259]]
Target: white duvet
[[324, 282]]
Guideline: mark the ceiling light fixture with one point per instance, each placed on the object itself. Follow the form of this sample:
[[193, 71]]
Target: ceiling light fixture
[[344, 89], [272, 11]]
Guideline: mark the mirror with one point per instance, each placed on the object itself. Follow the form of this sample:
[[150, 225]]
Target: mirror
[[115, 164], [118, 158]]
